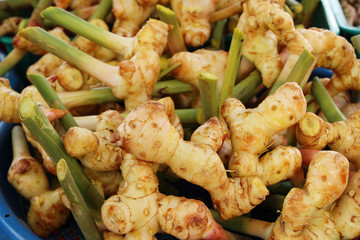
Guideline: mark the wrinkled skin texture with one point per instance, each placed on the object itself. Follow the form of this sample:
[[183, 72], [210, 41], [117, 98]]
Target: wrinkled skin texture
[[194, 18], [326, 180], [161, 143], [252, 129]]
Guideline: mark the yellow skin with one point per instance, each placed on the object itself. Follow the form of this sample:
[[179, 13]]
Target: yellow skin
[[162, 144], [343, 136], [265, 23], [193, 63], [336, 53], [130, 15], [27, 176], [260, 47], [48, 63], [346, 211], [139, 210], [300, 217], [252, 129], [47, 212], [95, 149], [193, 16], [72, 79], [138, 75]]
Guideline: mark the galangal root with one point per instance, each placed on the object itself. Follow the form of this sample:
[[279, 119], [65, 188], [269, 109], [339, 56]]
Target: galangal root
[[252, 129], [305, 213], [47, 212], [139, 210], [147, 134], [343, 136]]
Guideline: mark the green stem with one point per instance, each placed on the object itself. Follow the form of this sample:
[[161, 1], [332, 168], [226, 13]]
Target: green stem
[[102, 10], [226, 12], [309, 7], [87, 97], [168, 70], [11, 60], [118, 44], [232, 65], [19, 143], [311, 106], [245, 225], [88, 122], [104, 72], [175, 37], [356, 42], [53, 100], [300, 72], [218, 34], [170, 87], [15, 4], [246, 89], [288, 10], [294, 6], [209, 94], [189, 116], [78, 204], [35, 18], [325, 101], [35, 121]]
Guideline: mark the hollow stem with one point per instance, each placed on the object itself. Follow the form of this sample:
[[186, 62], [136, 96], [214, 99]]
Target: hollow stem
[[232, 65], [325, 101], [299, 73], [78, 204], [209, 94], [52, 99], [175, 38], [246, 89], [118, 44], [44, 133]]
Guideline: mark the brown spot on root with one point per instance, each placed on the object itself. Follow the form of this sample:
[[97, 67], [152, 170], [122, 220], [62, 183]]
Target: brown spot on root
[[324, 178], [154, 125], [273, 107], [22, 166]]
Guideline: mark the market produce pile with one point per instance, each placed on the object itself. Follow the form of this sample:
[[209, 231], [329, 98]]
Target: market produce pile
[[132, 100]]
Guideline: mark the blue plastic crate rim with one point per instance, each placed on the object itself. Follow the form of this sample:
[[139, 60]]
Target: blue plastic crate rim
[[341, 20]]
